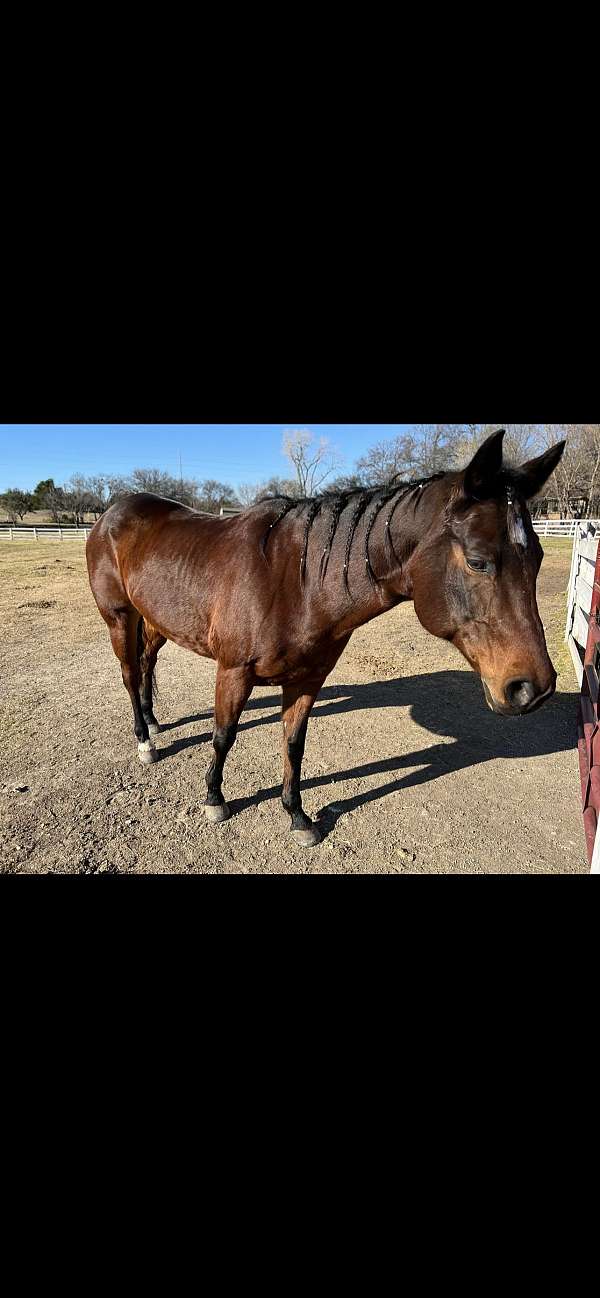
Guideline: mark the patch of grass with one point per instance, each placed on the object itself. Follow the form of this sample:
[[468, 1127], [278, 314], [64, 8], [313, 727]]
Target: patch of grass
[[553, 614], [557, 544]]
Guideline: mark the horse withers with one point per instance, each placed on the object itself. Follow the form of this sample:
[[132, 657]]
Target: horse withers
[[274, 594]]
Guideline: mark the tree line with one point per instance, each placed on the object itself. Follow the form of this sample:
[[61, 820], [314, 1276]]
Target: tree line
[[573, 490], [81, 496]]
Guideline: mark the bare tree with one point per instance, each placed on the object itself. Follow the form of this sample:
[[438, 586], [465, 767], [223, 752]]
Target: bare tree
[[522, 441], [117, 486], [247, 493], [313, 461], [55, 501], [251, 492], [592, 437], [156, 481], [161, 483], [432, 448], [567, 481], [79, 496], [99, 493], [212, 495], [346, 482], [437, 446], [396, 457]]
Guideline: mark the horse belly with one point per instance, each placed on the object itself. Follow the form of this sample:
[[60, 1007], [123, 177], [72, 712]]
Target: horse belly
[[168, 606]]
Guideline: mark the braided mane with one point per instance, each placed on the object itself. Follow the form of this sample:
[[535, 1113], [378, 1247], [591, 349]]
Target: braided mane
[[333, 505]]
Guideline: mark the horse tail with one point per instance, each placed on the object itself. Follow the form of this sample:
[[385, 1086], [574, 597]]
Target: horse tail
[[142, 642]]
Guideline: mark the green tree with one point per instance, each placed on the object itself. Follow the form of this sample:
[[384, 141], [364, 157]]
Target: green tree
[[16, 503], [40, 492]]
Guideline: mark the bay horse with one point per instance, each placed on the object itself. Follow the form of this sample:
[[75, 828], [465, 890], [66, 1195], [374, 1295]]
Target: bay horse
[[274, 593]]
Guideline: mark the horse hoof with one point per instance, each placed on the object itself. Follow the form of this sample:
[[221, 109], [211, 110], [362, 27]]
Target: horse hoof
[[154, 728], [307, 837], [215, 815], [147, 753]]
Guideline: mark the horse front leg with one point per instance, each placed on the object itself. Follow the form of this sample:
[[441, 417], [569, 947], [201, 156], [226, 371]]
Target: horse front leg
[[233, 689], [296, 705]]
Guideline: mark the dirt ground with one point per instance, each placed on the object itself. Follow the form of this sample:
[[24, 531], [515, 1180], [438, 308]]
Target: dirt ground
[[406, 769]]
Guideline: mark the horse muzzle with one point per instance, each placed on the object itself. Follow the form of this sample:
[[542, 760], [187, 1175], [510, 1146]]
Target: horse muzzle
[[521, 696]]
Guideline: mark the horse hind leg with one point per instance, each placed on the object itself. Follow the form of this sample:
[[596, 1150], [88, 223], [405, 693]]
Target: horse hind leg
[[123, 626], [150, 641]]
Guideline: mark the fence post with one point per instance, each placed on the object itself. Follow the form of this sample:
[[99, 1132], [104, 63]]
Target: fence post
[[35, 533], [60, 533], [11, 535], [546, 530]]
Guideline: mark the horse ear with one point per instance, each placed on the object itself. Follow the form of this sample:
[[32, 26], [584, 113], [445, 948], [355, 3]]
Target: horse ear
[[484, 468], [532, 476]]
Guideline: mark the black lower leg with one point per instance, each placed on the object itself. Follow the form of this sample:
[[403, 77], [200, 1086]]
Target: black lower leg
[[291, 789], [146, 701], [223, 738], [149, 643], [139, 722]]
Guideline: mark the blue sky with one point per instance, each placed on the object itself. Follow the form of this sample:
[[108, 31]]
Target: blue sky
[[230, 452]]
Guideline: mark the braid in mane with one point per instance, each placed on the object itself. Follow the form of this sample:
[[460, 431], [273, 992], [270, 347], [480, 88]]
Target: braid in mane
[[338, 505], [359, 509], [401, 492], [383, 495], [287, 505], [314, 507]]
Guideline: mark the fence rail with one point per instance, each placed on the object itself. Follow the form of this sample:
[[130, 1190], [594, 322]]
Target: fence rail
[[563, 526], [582, 634], [543, 527], [44, 533], [580, 591]]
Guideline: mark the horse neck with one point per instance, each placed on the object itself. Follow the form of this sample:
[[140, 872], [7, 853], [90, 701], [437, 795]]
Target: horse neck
[[392, 552]]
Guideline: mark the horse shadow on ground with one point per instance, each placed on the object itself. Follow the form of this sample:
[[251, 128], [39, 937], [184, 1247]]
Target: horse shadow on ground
[[445, 703]]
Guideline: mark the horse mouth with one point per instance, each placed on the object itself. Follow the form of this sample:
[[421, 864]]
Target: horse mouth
[[504, 709]]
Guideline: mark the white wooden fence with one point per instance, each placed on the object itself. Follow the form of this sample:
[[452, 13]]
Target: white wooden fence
[[562, 526], [543, 526], [9, 533], [580, 590]]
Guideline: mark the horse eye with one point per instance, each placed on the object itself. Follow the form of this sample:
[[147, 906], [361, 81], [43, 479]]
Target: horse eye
[[479, 565]]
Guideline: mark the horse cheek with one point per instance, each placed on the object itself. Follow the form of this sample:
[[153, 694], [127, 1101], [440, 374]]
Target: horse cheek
[[441, 605]]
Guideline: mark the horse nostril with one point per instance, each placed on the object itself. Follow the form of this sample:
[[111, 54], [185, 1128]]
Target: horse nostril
[[520, 693]]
